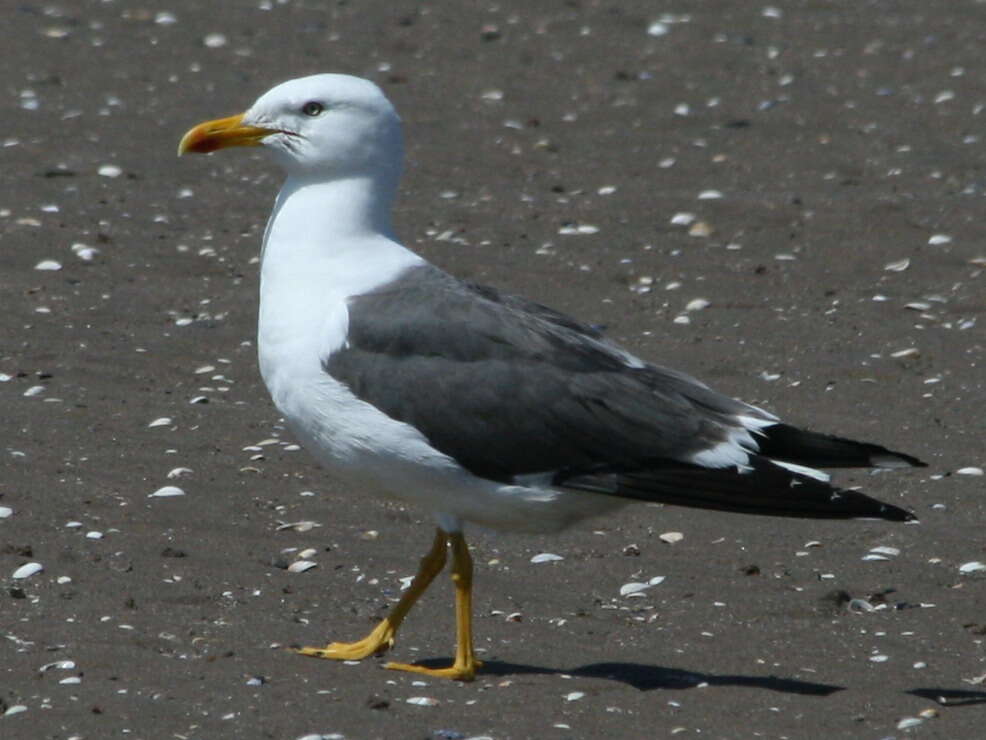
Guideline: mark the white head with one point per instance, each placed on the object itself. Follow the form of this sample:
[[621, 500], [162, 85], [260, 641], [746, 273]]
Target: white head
[[323, 127]]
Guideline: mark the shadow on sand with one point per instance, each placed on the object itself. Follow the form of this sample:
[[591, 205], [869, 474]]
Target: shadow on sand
[[649, 677]]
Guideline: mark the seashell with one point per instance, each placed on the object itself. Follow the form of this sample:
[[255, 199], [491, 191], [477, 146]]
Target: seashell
[[166, 491], [62, 665], [973, 566], [27, 570], [546, 557], [300, 566]]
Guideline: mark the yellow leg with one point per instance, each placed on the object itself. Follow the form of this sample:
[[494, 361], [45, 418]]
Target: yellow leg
[[382, 636], [465, 666]]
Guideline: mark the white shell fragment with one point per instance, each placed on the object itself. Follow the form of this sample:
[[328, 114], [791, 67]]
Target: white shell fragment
[[48, 265], [859, 606], [422, 701], [166, 491], [697, 304], [671, 537], [635, 588], [973, 566], [574, 695], [898, 266], [909, 352], [907, 722], [160, 422], [27, 570], [61, 665], [178, 473], [939, 239], [300, 566], [5, 511], [578, 229], [84, 252], [969, 471], [303, 526], [214, 41], [657, 28], [109, 170], [546, 557]]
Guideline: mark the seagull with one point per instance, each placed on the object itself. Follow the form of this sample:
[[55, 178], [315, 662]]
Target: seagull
[[480, 406]]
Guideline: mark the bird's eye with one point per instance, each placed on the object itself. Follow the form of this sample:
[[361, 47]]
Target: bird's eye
[[312, 108]]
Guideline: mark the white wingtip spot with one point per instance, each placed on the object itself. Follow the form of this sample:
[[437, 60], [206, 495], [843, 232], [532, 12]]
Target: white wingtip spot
[[803, 470]]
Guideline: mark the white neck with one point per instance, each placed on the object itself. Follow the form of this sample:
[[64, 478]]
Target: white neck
[[316, 210], [325, 242]]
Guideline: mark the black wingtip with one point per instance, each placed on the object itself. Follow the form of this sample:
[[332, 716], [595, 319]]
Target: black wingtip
[[891, 513], [790, 444], [891, 459]]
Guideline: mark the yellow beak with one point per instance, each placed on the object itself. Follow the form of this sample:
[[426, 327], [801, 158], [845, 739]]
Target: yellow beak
[[221, 133]]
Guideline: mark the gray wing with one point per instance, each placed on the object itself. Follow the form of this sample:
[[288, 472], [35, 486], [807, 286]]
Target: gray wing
[[508, 387]]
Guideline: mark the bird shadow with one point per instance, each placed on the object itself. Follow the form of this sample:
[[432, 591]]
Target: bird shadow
[[650, 677]]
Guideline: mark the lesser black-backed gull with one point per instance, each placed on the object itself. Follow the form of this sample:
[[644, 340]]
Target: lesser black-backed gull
[[480, 406]]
